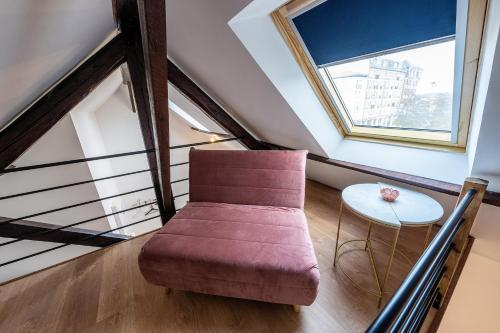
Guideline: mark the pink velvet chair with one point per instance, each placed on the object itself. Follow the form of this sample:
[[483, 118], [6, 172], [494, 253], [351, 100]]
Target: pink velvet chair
[[243, 234]]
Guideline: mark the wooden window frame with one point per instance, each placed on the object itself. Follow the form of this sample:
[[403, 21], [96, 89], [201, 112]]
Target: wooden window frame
[[476, 12]]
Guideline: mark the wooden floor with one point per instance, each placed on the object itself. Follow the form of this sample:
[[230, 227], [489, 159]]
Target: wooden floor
[[105, 292]]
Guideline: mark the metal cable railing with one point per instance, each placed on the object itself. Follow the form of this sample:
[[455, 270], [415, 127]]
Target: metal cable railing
[[96, 158], [84, 240], [73, 205], [408, 307], [80, 160], [179, 180], [180, 195], [76, 242], [45, 232], [73, 184]]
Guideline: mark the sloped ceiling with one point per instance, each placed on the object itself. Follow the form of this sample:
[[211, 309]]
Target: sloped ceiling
[[203, 45], [41, 41]]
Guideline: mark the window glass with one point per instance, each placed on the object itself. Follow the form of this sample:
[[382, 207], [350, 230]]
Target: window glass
[[405, 89]]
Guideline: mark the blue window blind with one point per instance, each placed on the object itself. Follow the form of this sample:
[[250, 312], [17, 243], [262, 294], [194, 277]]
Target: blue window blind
[[337, 30]]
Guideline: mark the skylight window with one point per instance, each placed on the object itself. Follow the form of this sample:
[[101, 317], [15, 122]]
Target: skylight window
[[389, 69]]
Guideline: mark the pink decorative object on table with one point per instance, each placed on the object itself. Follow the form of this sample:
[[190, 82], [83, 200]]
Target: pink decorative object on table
[[389, 194]]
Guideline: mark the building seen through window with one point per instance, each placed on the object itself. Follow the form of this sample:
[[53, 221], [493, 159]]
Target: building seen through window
[[410, 89]]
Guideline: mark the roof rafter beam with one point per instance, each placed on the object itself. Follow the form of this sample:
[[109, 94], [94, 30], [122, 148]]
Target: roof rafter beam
[[58, 100], [143, 25]]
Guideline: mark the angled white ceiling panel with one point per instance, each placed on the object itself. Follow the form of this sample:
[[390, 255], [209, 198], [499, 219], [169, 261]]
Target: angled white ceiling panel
[[41, 41]]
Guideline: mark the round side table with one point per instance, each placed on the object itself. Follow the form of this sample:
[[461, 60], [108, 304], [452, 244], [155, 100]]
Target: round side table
[[411, 208]]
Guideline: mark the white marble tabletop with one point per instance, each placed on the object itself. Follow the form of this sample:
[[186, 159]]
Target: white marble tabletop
[[411, 208]]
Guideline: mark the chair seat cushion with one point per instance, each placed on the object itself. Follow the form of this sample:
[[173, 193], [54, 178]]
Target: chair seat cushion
[[246, 251]]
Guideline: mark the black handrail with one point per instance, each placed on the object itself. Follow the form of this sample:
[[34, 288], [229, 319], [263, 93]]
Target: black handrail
[[405, 306], [75, 242], [181, 195]]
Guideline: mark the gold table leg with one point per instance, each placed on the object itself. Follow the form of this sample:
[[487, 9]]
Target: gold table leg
[[369, 234], [389, 264], [375, 292], [368, 245], [427, 236], [338, 234]]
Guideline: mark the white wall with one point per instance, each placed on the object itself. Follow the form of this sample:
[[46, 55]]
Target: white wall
[[106, 124], [120, 130], [92, 143], [266, 45], [475, 302], [51, 148], [60, 143], [487, 157], [441, 165], [41, 41], [488, 49]]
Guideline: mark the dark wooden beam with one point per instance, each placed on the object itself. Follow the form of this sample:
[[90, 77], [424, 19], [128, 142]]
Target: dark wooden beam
[[143, 24], [492, 198], [422, 182], [196, 95], [56, 102], [31, 230]]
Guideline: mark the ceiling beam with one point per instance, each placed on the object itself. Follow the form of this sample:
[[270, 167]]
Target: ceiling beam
[[58, 100], [213, 110], [37, 231], [143, 25]]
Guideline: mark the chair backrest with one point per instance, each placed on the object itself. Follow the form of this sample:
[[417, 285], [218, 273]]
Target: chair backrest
[[253, 177]]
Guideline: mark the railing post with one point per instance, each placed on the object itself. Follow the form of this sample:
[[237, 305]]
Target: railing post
[[462, 237]]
